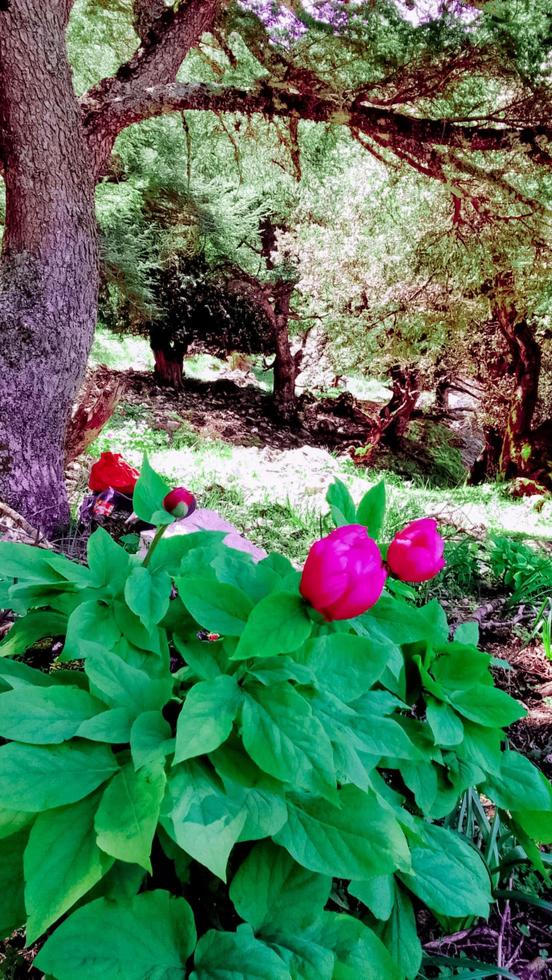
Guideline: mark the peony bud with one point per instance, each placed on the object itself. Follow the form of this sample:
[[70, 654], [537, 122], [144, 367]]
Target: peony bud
[[416, 553], [112, 471], [344, 573], [180, 502]]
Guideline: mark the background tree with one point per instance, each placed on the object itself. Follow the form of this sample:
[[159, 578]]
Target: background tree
[[457, 99]]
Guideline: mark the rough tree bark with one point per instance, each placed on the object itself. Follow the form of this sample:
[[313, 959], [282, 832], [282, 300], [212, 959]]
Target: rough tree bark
[[49, 263], [285, 364], [517, 454], [168, 358]]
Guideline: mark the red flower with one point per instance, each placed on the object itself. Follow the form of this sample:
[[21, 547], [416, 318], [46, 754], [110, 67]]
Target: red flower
[[180, 502], [111, 470], [416, 553], [343, 574]]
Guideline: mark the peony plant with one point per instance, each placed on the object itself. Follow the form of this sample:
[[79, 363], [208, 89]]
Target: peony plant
[[237, 769]]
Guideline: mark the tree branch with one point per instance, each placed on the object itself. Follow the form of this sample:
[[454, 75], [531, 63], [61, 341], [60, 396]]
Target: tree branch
[[408, 133], [167, 36]]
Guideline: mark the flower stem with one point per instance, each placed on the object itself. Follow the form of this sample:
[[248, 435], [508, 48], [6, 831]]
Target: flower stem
[[157, 538]]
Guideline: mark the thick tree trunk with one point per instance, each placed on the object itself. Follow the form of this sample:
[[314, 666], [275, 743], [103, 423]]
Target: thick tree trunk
[[49, 267], [397, 413]]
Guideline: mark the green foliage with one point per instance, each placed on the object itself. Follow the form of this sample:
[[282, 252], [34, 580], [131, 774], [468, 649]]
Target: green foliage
[[142, 771]]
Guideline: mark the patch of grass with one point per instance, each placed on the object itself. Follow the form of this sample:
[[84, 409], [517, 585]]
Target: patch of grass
[[120, 351]]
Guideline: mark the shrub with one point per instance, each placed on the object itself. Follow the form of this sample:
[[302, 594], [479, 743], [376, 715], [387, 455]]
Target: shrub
[[214, 781]]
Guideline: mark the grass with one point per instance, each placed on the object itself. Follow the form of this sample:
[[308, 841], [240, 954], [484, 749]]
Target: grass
[[278, 498]]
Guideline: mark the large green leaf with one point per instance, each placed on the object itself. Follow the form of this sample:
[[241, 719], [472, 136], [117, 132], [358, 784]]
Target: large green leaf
[[148, 594], [238, 568], [449, 875], [400, 936], [128, 814], [149, 494], [215, 605], [371, 510], [111, 726], [108, 561], [445, 724], [121, 685], [11, 821], [347, 665], [90, 620], [487, 706], [358, 951], [400, 622], [207, 716], [341, 503], [62, 863], [203, 819], [25, 632], [149, 936], [278, 624], [283, 737], [170, 551], [519, 786], [377, 893], [233, 955], [271, 891], [357, 839], [35, 778], [45, 715], [262, 796], [12, 907], [305, 956], [150, 739]]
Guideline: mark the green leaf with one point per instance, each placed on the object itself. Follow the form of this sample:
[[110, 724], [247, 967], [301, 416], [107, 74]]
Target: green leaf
[[348, 665], [401, 937], [487, 706], [377, 894], [335, 840], [371, 510], [233, 955], [149, 494], [341, 504], [262, 796], [121, 685], [271, 891], [519, 785], [304, 956], [151, 935], [215, 606], [34, 778], [278, 624], [283, 737], [30, 629], [12, 907], [11, 821], [129, 812], [148, 594], [467, 633], [150, 739], [62, 863], [89, 619], [45, 715], [237, 568], [207, 716], [17, 674], [203, 819], [108, 562], [358, 951], [170, 551], [111, 726], [400, 622], [449, 875], [445, 724], [206, 659]]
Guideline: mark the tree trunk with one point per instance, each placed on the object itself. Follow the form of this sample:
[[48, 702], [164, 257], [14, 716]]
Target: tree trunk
[[49, 265], [397, 413], [517, 454], [285, 364], [168, 356]]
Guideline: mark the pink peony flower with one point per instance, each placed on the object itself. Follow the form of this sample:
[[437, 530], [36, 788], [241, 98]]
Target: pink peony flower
[[344, 573], [416, 553], [180, 502]]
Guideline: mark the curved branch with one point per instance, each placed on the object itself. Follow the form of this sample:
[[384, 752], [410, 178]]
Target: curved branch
[[407, 132]]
